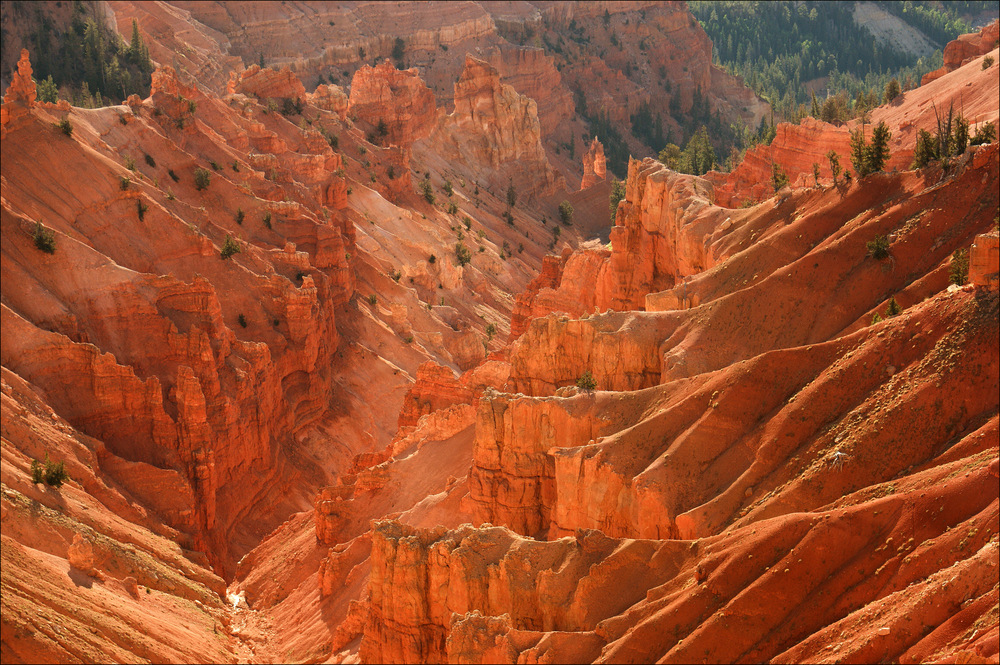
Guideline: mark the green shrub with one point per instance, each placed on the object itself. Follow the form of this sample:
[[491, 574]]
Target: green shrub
[[215, 166], [240, 216], [242, 320], [617, 194], [566, 213], [986, 133], [124, 182], [45, 239], [373, 300], [141, 208], [236, 166], [65, 126], [428, 192], [408, 339], [431, 259], [878, 248], [958, 269], [491, 330], [987, 62], [202, 178], [129, 163], [452, 208], [778, 177], [876, 317], [395, 274], [586, 381], [267, 219], [149, 160], [462, 253], [173, 176], [893, 309], [448, 189], [52, 473], [230, 247], [37, 473]]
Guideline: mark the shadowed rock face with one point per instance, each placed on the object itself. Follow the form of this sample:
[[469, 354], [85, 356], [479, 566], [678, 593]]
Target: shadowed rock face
[[397, 98], [497, 130], [698, 442]]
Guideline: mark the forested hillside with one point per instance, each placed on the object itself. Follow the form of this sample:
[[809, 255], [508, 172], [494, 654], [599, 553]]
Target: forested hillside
[[780, 47]]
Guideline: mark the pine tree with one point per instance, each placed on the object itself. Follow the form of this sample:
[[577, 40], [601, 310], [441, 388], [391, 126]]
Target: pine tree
[[878, 152], [815, 107], [960, 135], [834, 164], [778, 177], [891, 90], [925, 149], [859, 151], [47, 91]]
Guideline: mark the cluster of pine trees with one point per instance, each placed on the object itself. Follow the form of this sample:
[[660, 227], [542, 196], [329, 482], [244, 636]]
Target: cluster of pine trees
[[950, 140], [89, 60]]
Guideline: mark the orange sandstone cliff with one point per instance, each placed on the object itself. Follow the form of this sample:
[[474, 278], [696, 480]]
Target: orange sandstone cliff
[[299, 424]]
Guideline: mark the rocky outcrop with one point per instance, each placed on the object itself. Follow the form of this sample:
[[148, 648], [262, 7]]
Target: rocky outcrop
[[658, 240], [424, 583], [398, 98], [512, 479], [436, 387], [533, 73], [267, 83], [617, 362], [566, 285], [594, 165], [984, 261], [22, 86], [330, 98], [960, 51], [496, 131]]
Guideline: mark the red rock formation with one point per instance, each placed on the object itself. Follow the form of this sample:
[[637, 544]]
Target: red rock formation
[[396, 97], [268, 83], [416, 599], [22, 86], [497, 130], [533, 73], [960, 51], [436, 387], [330, 98], [984, 261], [594, 165], [512, 479]]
